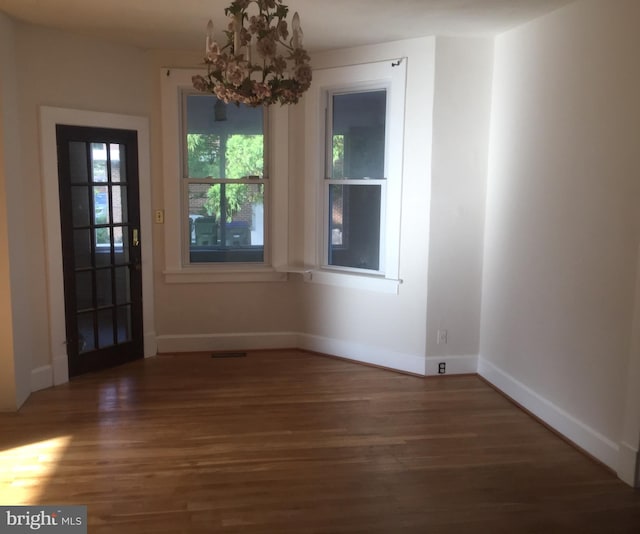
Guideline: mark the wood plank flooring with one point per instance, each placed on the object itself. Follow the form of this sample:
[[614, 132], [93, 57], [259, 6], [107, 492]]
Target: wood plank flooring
[[291, 442]]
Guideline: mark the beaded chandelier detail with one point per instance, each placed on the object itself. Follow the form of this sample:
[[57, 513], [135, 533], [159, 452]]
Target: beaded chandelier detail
[[261, 62]]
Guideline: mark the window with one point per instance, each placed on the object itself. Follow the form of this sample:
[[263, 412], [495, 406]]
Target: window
[[355, 178], [214, 259], [354, 140], [224, 185]]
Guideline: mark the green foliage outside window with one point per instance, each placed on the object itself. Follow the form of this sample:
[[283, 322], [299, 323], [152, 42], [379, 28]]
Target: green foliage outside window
[[204, 155], [243, 157], [338, 157]]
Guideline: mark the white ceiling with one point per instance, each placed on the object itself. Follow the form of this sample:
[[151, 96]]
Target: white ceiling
[[327, 24]]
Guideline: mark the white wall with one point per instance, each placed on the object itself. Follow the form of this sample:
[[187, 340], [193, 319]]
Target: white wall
[[563, 224], [15, 361], [448, 98], [60, 69], [44, 67], [463, 80], [381, 328], [385, 329]]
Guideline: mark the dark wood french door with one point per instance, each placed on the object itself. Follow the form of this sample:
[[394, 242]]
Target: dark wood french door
[[100, 218]]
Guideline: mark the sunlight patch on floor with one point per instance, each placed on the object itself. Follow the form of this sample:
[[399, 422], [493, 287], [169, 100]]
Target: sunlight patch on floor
[[25, 470]]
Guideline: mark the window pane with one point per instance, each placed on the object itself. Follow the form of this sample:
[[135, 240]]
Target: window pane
[[99, 162], [104, 292], [121, 244], [103, 237], [118, 167], [123, 292], [124, 324], [223, 140], [84, 290], [105, 328], [78, 162], [354, 226], [86, 332], [120, 208], [358, 135], [101, 204], [226, 222], [82, 248], [80, 205]]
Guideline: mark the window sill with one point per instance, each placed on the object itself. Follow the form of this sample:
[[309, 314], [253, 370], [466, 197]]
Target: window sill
[[313, 275], [199, 275]]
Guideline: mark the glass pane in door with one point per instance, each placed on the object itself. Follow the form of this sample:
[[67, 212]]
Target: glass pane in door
[[82, 248], [99, 171], [101, 204], [86, 332], [118, 169], [119, 197], [84, 290], [124, 324], [104, 291], [123, 291], [80, 205], [78, 170], [105, 328], [99, 196]]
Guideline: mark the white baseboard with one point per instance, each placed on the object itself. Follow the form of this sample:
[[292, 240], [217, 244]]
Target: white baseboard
[[370, 354], [41, 378], [454, 365], [252, 341], [241, 341], [60, 370], [573, 429], [629, 465], [50, 375], [150, 344]]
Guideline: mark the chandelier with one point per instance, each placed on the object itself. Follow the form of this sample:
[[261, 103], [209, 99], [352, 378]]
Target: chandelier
[[261, 62]]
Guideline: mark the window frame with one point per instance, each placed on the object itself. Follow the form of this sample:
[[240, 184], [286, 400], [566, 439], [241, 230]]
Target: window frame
[[186, 181], [389, 74], [328, 180], [169, 214]]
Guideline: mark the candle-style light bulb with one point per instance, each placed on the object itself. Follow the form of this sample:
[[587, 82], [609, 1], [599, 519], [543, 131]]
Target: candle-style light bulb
[[298, 34], [209, 44]]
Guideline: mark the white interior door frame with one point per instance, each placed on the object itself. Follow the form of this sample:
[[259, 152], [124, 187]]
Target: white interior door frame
[[49, 118]]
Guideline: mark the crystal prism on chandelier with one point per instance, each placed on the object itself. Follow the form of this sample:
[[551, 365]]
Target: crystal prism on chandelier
[[262, 62]]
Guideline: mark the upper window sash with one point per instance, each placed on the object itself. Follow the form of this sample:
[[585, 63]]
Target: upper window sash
[[226, 114], [362, 94]]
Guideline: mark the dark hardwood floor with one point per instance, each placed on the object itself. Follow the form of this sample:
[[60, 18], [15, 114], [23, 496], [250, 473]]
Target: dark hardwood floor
[[291, 442]]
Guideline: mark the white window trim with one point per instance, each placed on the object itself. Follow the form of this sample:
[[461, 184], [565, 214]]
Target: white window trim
[[390, 74], [173, 81]]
